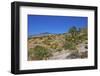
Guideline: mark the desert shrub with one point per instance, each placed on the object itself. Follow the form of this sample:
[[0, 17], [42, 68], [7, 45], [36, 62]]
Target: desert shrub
[[41, 52], [49, 37], [84, 34], [46, 42], [72, 37], [68, 37], [76, 36], [84, 37], [30, 51], [30, 54], [54, 45], [59, 49], [69, 45]]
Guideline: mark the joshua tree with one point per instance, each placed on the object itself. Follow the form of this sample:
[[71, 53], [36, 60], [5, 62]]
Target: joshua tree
[[71, 39], [73, 31], [72, 36]]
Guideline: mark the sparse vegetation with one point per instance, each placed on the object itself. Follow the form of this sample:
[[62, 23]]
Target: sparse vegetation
[[41, 48], [41, 52], [59, 49], [69, 45]]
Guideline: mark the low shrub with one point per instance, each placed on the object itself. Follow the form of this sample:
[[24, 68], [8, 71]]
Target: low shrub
[[59, 49], [41, 52], [69, 46]]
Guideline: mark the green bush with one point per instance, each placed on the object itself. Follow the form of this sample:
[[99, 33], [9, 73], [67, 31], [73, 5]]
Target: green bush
[[69, 46], [73, 31], [41, 52], [30, 54]]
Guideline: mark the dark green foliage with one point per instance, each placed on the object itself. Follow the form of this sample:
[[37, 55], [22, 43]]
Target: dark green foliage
[[74, 37], [71, 39], [41, 52], [73, 31]]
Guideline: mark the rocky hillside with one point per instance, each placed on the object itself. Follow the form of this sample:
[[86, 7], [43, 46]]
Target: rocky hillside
[[70, 45]]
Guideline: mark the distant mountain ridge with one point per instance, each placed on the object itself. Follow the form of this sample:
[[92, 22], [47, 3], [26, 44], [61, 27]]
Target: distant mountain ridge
[[41, 34]]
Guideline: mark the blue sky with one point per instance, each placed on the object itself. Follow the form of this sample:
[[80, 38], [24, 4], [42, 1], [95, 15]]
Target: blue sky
[[54, 24]]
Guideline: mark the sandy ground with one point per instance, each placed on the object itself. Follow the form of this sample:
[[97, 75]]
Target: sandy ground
[[60, 55]]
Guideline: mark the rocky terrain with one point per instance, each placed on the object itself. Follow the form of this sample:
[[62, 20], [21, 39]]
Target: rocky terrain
[[69, 45]]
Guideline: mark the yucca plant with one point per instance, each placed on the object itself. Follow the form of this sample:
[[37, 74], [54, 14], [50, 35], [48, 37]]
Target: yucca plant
[[73, 31]]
